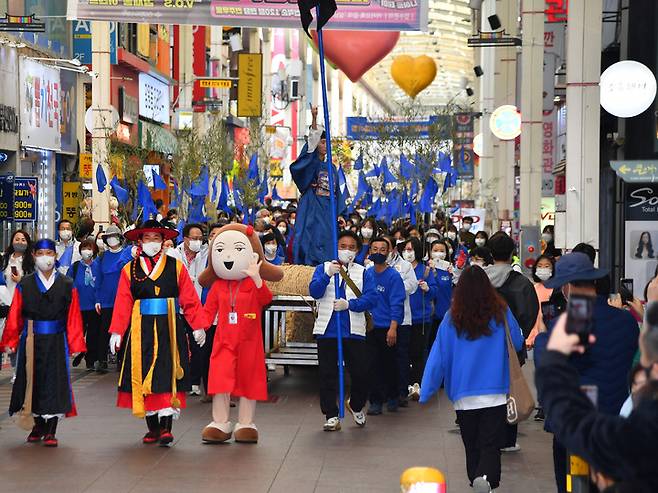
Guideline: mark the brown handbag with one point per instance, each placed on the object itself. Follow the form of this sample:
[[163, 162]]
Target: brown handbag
[[520, 402], [370, 325], [24, 418]]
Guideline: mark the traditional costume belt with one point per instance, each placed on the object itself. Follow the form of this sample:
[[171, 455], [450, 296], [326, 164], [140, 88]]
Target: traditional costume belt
[[47, 327], [143, 387]]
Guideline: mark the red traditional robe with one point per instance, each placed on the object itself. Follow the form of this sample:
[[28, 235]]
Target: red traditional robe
[[236, 363]]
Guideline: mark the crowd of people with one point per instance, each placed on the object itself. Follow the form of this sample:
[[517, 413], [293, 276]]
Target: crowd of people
[[418, 308]]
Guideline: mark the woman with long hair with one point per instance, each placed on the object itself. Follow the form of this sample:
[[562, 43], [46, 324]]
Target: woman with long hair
[[369, 230], [644, 245], [470, 357]]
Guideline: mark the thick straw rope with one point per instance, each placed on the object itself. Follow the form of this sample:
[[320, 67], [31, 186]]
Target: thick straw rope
[[295, 282]]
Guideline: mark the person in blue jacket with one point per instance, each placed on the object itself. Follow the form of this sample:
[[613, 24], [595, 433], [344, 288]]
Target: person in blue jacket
[[421, 302], [387, 315], [107, 269], [310, 172], [441, 272], [368, 232], [271, 249], [470, 358], [82, 274]]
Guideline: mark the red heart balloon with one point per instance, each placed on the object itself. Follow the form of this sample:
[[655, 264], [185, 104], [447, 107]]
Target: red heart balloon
[[356, 52]]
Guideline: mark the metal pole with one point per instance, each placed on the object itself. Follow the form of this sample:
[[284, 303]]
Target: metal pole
[[334, 234]]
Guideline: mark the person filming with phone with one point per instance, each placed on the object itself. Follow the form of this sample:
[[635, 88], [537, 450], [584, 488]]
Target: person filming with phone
[[622, 452], [604, 365]]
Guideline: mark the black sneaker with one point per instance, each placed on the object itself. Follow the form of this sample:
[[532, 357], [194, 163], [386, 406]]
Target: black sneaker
[[540, 415], [374, 409]]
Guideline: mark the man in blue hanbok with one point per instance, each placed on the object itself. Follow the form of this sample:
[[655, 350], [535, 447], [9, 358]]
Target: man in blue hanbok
[[313, 237]]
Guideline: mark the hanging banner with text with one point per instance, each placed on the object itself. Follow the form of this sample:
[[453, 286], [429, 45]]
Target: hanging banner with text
[[71, 199], [389, 15], [250, 84], [25, 199]]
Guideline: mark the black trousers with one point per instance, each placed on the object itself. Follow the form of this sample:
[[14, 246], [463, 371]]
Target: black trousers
[[355, 354], [402, 357], [511, 433], [91, 324], [418, 351], [560, 466], [103, 340], [196, 353], [383, 368], [483, 433], [206, 351]]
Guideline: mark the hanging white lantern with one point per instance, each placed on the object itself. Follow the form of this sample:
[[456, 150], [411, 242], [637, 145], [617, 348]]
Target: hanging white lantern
[[505, 122], [478, 144], [628, 88]]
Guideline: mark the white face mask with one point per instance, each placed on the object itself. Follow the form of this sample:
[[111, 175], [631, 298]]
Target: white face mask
[[409, 255], [292, 222], [452, 235], [283, 231], [466, 227], [152, 248], [346, 257], [86, 254], [44, 263], [195, 245], [113, 242], [270, 250], [547, 237], [66, 234], [544, 273], [366, 233], [438, 255], [480, 242]]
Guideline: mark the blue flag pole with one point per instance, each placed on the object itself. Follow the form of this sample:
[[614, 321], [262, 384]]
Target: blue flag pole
[[334, 234]]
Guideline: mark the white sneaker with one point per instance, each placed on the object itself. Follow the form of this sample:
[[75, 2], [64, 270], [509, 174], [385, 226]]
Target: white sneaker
[[13, 378], [359, 417], [332, 424], [414, 392], [481, 485], [271, 367], [515, 448], [196, 390]]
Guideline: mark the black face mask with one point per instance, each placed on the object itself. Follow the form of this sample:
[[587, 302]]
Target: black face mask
[[378, 258]]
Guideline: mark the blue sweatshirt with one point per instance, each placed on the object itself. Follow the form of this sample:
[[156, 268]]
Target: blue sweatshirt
[[363, 254], [107, 270], [470, 367], [420, 301], [390, 297], [366, 301], [442, 293], [84, 282]]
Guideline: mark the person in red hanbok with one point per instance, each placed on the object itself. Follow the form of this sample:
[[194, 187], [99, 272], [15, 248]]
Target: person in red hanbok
[[45, 326], [155, 372], [236, 299]]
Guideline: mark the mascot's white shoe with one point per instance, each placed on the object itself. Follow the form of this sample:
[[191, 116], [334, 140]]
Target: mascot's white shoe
[[246, 433], [217, 432]]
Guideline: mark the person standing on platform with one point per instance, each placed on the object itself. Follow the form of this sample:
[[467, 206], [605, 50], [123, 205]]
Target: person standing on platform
[[82, 274], [310, 172], [107, 269], [387, 315], [44, 328], [353, 303], [67, 246], [155, 371]]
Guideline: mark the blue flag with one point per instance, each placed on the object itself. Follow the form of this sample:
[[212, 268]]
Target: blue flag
[[214, 190], [413, 190], [176, 201], [196, 212], [121, 193], [362, 187], [180, 227], [407, 169], [389, 178], [275, 194], [262, 191], [223, 196], [427, 199], [158, 182], [445, 163], [253, 167], [236, 199], [145, 202], [201, 187], [374, 172], [358, 164], [101, 180]]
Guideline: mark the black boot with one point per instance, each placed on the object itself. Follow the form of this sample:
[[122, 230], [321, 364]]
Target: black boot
[[38, 430], [49, 439], [165, 431], [153, 425]]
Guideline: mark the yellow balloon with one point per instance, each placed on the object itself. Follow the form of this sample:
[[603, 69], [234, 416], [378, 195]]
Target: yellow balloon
[[413, 74]]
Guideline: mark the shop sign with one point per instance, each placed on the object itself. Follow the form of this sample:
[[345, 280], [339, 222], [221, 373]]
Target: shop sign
[[641, 233], [6, 197], [25, 199], [636, 171], [549, 153], [250, 84], [40, 105], [156, 138], [505, 122], [363, 128], [8, 119], [71, 201], [86, 167], [153, 99], [68, 112], [463, 153], [128, 107], [388, 15], [81, 31]]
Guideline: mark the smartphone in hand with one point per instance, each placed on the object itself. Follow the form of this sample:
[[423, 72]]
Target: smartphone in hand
[[14, 270], [626, 290], [580, 312]]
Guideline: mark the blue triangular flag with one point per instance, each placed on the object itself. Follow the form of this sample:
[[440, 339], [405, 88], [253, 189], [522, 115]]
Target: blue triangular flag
[[176, 201], [214, 190], [145, 202], [362, 187], [121, 193], [275, 194], [223, 197], [236, 199], [253, 167], [389, 178], [427, 199], [413, 190], [358, 164], [374, 172], [262, 191], [158, 182], [445, 163], [407, 169], [201, 187], [180, 227], [101, 180], [196, 213]]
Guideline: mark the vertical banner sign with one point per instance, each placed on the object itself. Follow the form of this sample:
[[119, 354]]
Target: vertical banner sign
[[549, 151], [199, 65], [463, 155], [40, 110], [6, 197], [25, 199], [68, 115], [641, 235], [557, 10], [250, 84], [81, 32], [85, 166], [71, 199]]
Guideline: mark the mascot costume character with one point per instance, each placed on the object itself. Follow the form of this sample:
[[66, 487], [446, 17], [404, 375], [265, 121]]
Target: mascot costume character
[[237, 296]]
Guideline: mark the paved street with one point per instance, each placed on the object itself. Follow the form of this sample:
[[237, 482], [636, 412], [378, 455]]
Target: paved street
[[101, 450]]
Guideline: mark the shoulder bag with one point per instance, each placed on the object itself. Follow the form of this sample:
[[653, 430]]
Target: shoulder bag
[[520, 402]]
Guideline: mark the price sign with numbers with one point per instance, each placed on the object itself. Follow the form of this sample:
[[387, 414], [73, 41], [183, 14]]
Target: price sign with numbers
[[6, 197], [25, 199]]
